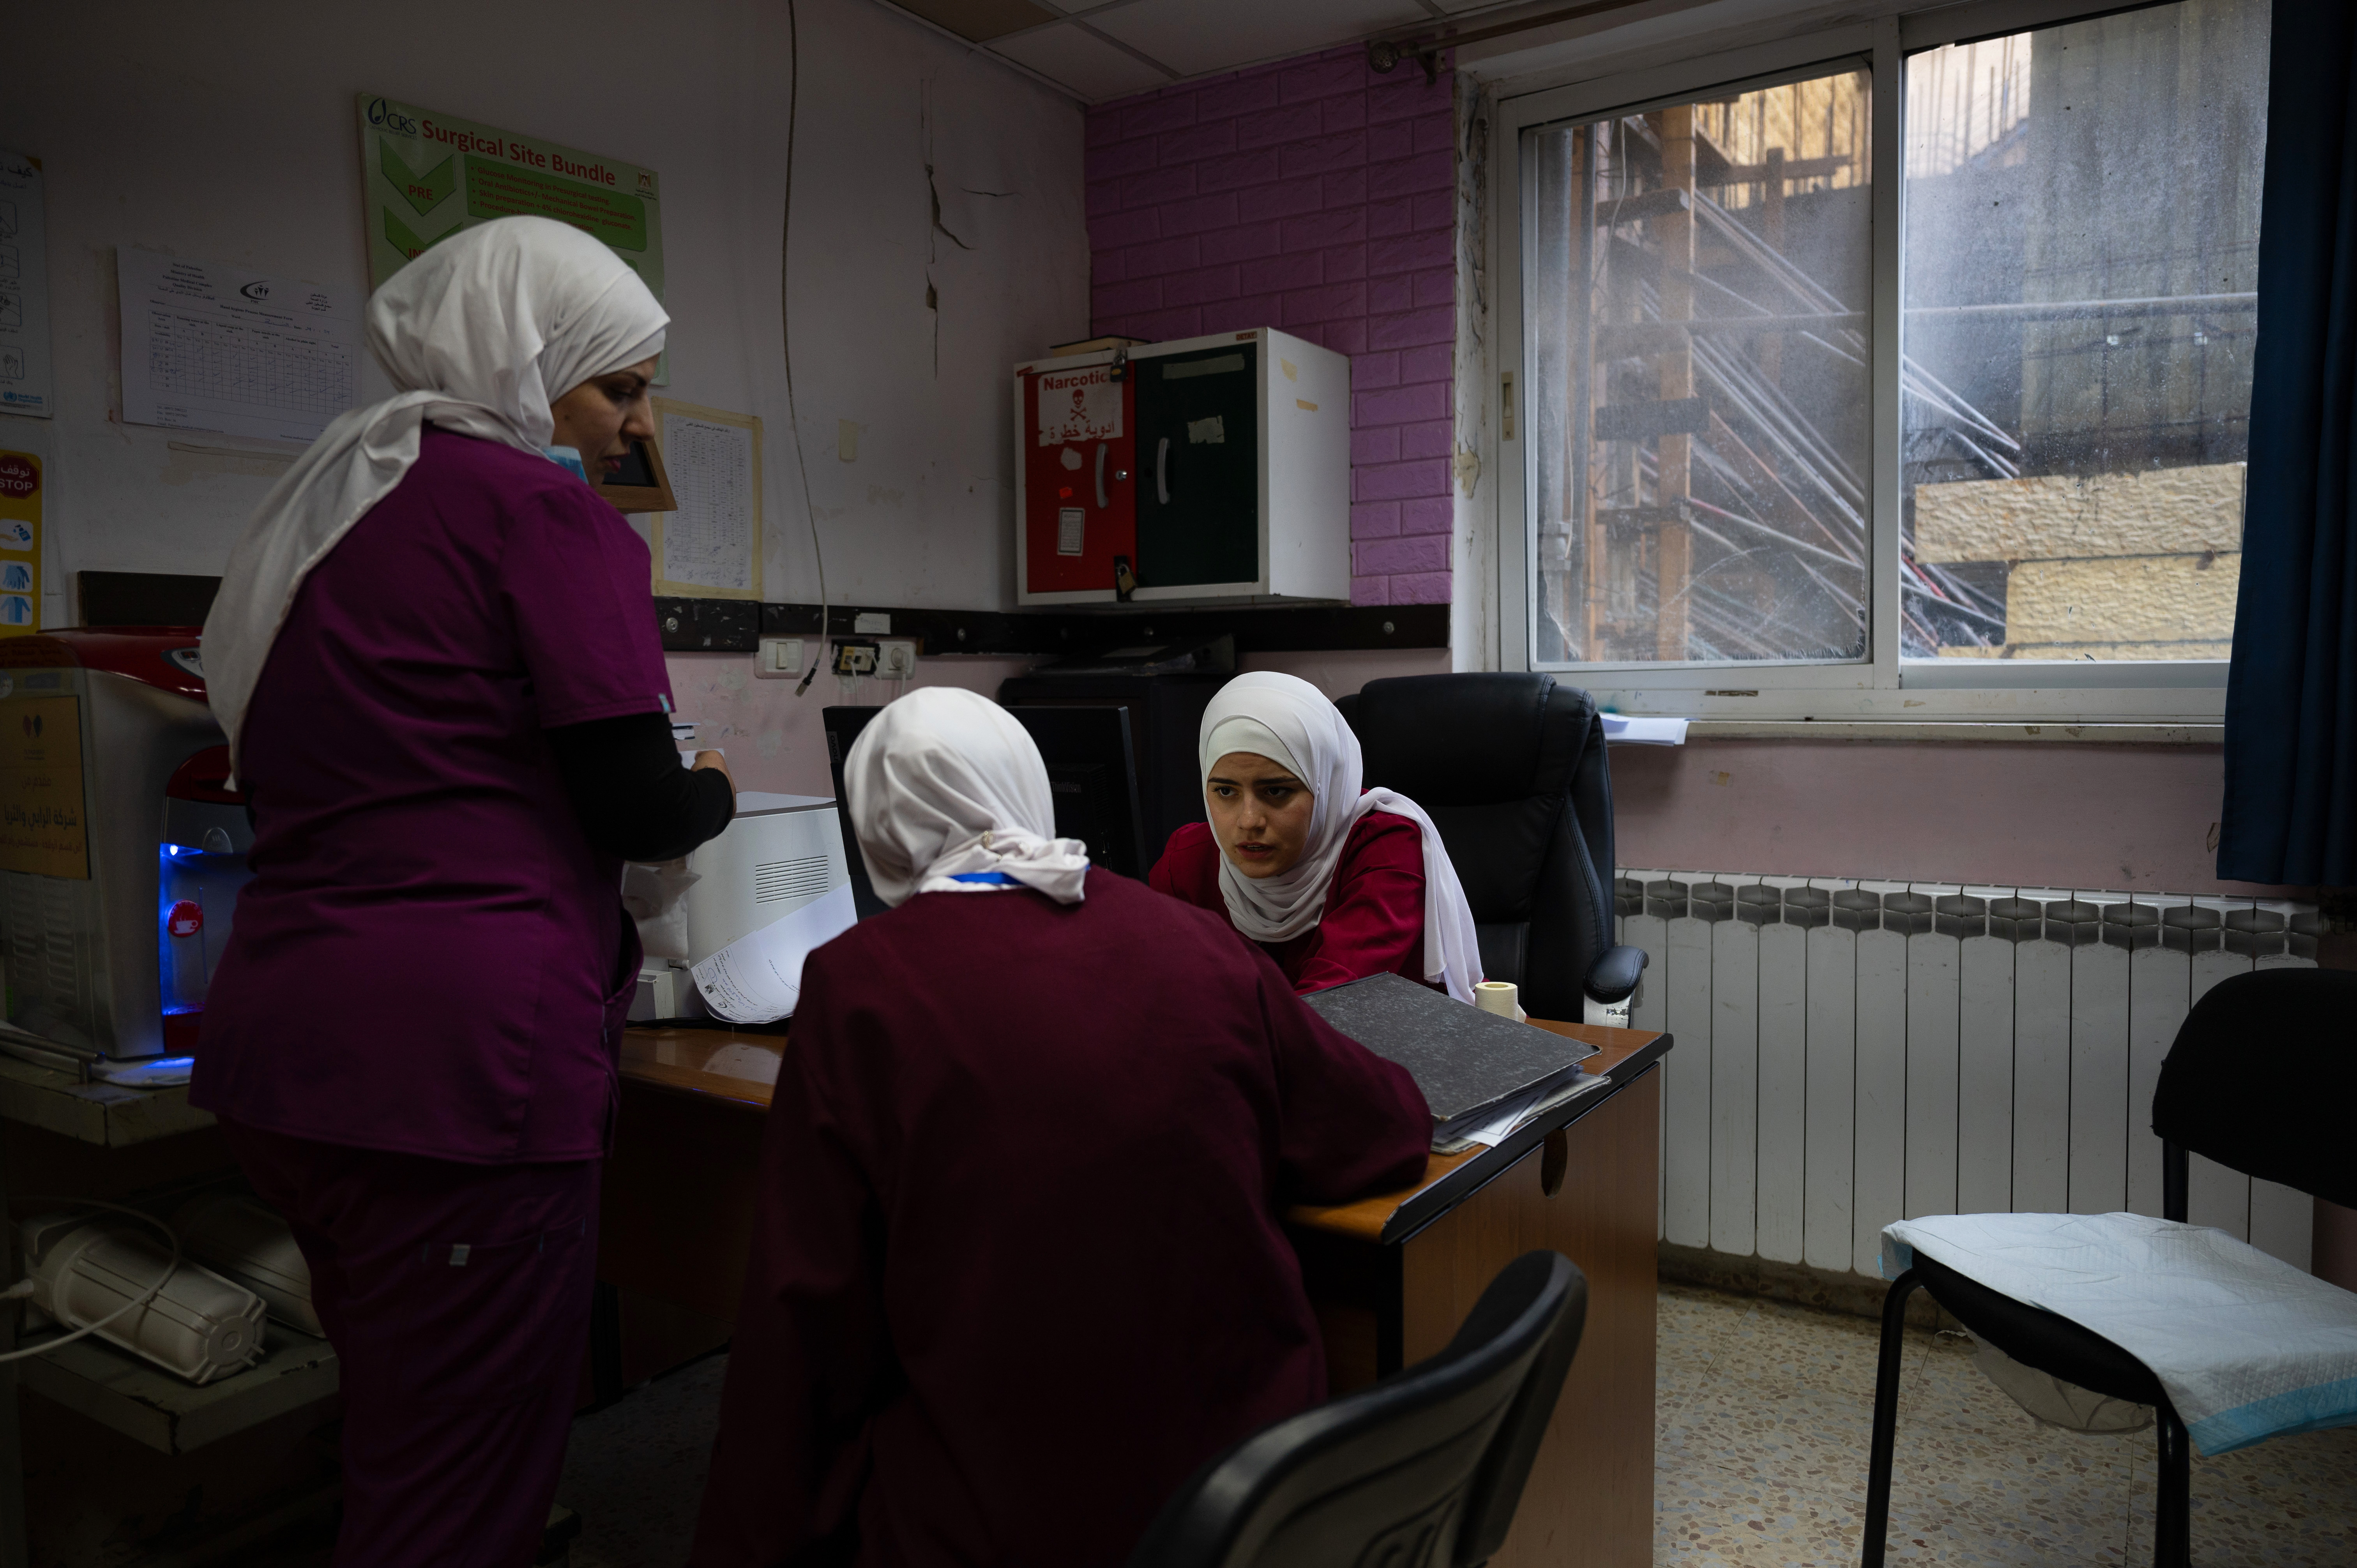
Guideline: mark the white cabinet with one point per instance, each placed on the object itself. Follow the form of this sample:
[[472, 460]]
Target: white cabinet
[[1209, 470]]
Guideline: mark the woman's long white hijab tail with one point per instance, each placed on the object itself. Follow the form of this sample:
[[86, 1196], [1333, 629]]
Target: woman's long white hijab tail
[[1265, 708], [945, 790], [481, 334]]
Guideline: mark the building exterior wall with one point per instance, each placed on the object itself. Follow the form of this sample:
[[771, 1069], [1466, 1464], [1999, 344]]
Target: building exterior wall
[[1319, 197], [2140, 564]]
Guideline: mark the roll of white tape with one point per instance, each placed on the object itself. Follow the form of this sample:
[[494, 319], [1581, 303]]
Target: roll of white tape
[[1499, 997]]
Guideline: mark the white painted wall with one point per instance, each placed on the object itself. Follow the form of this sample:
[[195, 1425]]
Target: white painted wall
[[229, 135]]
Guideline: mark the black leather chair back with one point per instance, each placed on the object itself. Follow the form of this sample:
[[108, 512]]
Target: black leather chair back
[[2260, 1078], [1512, 769], [1423, 1470]]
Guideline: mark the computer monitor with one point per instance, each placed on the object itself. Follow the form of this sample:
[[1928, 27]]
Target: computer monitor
[[843, 727], [1092, 772]]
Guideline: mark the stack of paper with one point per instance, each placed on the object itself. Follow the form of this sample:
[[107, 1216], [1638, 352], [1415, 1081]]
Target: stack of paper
[[1621, 730], [1521, 1113]]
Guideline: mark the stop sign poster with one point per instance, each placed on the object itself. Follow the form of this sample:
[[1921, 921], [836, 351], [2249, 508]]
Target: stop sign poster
[[20, 543]]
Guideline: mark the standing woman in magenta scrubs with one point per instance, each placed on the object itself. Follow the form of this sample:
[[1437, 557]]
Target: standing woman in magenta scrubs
[[1337, 883], [435, 657]]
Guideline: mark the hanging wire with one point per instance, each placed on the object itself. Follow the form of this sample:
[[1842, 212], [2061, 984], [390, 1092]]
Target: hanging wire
[[785, 325]]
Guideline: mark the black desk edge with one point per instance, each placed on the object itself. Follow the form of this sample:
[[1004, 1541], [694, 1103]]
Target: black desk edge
[[1475, 1173]]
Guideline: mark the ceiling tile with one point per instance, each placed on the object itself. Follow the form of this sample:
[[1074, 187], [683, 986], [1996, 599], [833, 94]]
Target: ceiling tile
[[1088, 65], [979, 19], [1193, 36]]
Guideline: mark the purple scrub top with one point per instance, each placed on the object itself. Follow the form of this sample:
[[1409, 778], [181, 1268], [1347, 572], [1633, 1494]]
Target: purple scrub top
[[431, 959]]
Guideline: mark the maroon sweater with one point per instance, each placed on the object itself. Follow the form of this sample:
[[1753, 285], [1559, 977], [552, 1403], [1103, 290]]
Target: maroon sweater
[[1373, 921], [1017, 1266]]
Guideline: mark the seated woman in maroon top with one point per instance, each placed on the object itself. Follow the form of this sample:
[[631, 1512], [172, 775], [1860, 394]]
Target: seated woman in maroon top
[[1335, 883], [1017, 1265]]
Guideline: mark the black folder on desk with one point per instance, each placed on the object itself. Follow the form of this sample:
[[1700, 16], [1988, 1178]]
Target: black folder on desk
[[1469, 1063]]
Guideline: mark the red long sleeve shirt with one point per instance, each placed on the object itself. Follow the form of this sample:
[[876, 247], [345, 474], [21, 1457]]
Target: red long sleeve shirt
[[1373, 921]]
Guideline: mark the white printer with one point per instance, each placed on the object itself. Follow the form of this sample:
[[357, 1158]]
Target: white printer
[[780, 853]]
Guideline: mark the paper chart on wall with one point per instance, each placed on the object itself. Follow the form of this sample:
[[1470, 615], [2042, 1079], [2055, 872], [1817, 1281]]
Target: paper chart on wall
[[213, 347], [24, 290], [711, 546]]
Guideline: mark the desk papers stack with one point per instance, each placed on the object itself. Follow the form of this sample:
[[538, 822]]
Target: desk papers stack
[[1482, 1075]]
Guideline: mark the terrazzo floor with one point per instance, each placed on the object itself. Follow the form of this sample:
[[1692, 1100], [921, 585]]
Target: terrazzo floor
[[1764, 1414], [1763, 1411]]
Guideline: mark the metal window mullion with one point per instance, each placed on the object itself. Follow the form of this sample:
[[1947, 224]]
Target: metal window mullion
[[1517, 565], [1888, 154]]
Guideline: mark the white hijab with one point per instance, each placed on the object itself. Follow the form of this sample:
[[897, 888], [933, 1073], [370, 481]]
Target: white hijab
[[481, 334], [945, 785], [1290, 721]]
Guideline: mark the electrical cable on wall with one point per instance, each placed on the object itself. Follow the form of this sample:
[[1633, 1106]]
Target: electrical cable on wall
[[786, 327]]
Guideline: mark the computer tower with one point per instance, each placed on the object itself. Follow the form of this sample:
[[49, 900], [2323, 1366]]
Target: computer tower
[[1166, 713]]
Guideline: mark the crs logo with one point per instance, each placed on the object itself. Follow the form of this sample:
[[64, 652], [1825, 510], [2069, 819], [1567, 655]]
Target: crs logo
[[256, 291], [385, 117]]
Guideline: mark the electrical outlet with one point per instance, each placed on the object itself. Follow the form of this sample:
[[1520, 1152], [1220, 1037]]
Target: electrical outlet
[[896, 659], [781, 660], [854, 656]]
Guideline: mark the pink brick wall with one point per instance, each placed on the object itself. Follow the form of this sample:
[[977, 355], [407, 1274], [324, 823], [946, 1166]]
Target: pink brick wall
[[1319, 197]]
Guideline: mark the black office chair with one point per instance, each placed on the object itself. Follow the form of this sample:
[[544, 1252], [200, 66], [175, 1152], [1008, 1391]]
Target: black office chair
[[2260, 1078], [1421, 1470], [1512, 769]]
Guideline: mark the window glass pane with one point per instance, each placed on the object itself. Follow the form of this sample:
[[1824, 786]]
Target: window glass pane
[[2082, 249], [1698, 360]]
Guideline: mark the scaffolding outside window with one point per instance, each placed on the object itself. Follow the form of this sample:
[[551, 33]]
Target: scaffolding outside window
[[2079, 255], [1702, 376]]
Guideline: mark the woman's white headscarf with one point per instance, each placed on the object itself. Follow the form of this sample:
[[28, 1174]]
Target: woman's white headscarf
[[948, 795], [481, 334], [1290, 721]]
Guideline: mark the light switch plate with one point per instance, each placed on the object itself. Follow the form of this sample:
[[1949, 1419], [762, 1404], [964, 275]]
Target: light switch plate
[[781, 660]]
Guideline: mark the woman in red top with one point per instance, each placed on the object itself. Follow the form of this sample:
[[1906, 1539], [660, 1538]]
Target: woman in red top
[[1335, 882]]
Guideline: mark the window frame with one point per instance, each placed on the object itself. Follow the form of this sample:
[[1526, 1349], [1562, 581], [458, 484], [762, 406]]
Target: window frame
[[1882, 685]]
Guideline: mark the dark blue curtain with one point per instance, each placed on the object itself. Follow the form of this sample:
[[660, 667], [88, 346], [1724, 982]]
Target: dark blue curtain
[[2291, 699]]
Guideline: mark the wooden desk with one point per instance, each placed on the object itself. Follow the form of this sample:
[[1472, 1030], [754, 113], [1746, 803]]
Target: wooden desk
[[676, 1217], [1391, 1277]]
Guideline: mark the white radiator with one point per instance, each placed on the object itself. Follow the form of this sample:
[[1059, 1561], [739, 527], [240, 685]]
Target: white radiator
[[1851, 1052]]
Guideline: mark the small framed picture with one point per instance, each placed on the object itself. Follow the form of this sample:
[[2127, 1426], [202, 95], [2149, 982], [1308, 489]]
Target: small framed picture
[[642, 484]]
